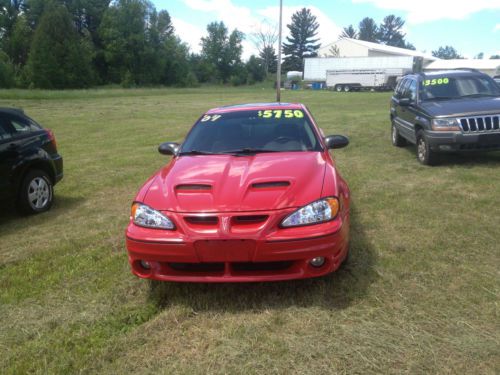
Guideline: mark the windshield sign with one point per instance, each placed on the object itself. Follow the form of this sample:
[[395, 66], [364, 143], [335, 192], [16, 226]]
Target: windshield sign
[[443, 88], [251, 132]]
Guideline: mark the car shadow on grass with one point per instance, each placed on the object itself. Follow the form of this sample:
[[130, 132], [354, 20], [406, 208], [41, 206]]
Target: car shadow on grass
[[9, 214], [466, 159], [334, 292]]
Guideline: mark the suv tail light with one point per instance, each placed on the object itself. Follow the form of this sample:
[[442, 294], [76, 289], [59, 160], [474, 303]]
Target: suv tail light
[[52, 137]]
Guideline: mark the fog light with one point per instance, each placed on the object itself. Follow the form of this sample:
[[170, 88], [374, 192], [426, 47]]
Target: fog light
[[145, 264], [317, 262]]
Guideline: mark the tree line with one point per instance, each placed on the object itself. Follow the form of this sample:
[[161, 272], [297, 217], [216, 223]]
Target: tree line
[[56, 44]]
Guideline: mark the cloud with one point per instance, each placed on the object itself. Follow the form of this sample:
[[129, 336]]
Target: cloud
[[497, 27], [248, 21], [189, 33], [431, 10]]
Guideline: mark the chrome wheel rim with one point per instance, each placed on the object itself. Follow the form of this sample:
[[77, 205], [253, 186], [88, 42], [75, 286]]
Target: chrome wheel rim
[[38, 193], [421, 149]]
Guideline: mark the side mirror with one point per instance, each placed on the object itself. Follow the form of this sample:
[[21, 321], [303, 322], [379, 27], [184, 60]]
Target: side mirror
[[168, 148], [405, 102], [336, 141]]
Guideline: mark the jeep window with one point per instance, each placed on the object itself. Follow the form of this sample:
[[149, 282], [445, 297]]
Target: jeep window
[[21, 125], [411, 90], [401, 88], [443, 88]]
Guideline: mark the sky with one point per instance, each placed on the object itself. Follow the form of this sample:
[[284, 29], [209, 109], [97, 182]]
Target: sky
[[470, 26]]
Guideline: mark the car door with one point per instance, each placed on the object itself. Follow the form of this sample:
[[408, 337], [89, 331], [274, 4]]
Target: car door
[[21, 141], [7, 156], [397, 110], [408, 112]]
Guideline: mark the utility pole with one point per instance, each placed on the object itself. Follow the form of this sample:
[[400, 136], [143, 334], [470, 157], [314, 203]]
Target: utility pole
[[278, 80]]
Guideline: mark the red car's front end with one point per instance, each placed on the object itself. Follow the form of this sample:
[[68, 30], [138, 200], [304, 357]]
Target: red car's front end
[[253, 216]]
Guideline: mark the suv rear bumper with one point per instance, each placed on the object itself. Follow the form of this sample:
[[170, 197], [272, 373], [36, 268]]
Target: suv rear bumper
[[458, 141]]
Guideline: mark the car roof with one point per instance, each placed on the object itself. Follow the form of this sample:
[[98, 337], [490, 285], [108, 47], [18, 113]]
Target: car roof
[[255, 106], [16, 111], [449, 73]]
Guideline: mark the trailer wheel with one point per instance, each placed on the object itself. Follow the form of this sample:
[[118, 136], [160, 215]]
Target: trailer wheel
[[338, 88], [347, 88]]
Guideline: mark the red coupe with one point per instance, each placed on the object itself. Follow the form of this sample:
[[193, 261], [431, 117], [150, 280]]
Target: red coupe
[[252, 194]]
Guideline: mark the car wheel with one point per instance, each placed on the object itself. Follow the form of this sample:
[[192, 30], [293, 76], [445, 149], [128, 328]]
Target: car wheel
[[424, 153], [347, 88], [396, 138], [338, 88], [37, 192]]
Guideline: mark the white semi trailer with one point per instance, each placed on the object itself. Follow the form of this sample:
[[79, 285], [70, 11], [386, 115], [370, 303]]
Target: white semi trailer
[[357, 73]]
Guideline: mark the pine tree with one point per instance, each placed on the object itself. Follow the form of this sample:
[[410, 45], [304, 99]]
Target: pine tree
[[349, 32], [368, 30], [302, 42], [390, 31], [446, 53], [58, 59]]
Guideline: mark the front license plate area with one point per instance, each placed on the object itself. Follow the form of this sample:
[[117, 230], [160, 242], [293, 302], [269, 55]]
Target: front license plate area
[[489, 139], [225, 250]]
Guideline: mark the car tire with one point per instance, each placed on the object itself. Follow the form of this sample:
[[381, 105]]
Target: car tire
[[37, 192], [425, 155], [338, 88], [396, 138]]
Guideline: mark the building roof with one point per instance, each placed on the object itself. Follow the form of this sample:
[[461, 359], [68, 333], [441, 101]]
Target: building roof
[[464, 63], [387, 49]]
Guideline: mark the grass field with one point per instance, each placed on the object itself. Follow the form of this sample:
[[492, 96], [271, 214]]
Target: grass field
[[419, 295]]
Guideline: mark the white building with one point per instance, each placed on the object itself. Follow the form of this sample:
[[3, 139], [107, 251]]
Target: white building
[[347, 47], [490, 67]]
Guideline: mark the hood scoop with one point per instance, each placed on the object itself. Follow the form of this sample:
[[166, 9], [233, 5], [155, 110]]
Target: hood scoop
[[270, 184], [193, 187]]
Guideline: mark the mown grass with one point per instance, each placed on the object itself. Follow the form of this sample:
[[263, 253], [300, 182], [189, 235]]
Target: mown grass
[[419, 295]]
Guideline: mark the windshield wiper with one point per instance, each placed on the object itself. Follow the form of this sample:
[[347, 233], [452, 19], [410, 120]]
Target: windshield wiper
[[479, 95], [248, 151], [441, 98], [196, 152]]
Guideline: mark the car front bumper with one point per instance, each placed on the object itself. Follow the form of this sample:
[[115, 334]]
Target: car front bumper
[[458, 141], [188, 255]]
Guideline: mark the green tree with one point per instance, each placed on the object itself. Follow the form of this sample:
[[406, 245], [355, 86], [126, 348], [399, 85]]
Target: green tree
[[349, 32], [302, 42], [494, 57], [58, 59], [6, 71], [446, 53], [256, 70], [368, 30], [269, 59], [18, 45], [221, 50], [390, 31]]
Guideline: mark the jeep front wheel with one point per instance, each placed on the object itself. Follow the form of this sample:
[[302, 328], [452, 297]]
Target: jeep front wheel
[[424, 153]]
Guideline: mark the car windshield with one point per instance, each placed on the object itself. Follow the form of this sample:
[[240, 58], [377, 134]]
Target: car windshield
[[251, 132], [444, 87]]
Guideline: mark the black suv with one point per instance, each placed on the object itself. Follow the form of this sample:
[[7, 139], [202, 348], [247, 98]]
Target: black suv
[[442, 111], [29, 163]]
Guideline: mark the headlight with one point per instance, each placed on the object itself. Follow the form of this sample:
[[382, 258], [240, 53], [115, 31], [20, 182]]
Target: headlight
[[317, 212], [145, 216], [445, 124]]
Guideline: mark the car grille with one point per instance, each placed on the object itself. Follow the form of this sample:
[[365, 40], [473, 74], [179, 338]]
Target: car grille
[[480, 124]]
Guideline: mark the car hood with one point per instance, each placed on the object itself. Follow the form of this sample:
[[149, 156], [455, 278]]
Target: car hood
[[223, 183], [462, 107]]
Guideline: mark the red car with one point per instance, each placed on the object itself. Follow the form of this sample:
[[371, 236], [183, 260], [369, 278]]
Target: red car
[[251, 195]]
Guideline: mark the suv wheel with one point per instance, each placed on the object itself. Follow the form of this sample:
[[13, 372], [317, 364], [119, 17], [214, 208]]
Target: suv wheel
[[37, 193], [424, 153], [396, 138]]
